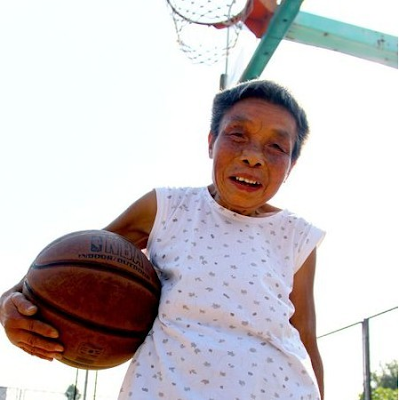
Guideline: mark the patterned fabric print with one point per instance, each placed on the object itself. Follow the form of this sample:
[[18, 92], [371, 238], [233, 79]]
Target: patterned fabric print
[[223, 328]]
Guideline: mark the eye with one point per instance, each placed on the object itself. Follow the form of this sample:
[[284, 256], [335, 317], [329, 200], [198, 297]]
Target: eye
[[278, 147], [236, 135]]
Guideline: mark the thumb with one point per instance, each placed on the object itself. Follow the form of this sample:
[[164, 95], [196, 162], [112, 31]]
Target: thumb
[[23, 305]]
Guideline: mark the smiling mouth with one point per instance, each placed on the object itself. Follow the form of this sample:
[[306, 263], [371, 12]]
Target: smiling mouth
[[245, 181]]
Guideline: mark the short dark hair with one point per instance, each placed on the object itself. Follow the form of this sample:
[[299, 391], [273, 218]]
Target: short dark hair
[[265, 90]]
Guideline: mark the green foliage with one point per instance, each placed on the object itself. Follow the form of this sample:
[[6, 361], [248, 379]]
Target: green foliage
[[382, 393], [72, 393], [384, 385], [388, 378]]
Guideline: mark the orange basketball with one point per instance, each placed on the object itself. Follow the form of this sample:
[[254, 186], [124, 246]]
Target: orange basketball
[[100, 292]]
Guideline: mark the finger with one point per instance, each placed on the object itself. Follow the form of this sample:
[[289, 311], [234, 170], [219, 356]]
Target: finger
[[29, 341], [33, 333], [41, 328], [27, 308], [45, 355], [18, 325], [23, 305]]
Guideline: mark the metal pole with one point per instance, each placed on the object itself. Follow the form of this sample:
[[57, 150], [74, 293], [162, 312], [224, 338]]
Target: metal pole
[[85, 389], [95, 386], [366, 360], [75, 389], [278, 27]]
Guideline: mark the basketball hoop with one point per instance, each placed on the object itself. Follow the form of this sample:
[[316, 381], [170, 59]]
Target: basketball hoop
[[211, 12], [207, 29]]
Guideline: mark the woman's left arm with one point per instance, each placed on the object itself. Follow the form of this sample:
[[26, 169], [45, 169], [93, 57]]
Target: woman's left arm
[[304, 318]]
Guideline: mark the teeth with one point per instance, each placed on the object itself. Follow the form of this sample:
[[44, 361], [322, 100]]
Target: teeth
[[249, 181]]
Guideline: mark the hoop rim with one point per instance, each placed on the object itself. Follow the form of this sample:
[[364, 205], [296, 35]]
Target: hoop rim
[[241, 16]]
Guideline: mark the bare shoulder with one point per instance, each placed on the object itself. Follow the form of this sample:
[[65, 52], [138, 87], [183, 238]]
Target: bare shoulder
[[136, 222]]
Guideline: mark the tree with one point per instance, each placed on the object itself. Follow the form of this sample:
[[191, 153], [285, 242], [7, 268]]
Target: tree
[[384, 385], [72, 393], [389, 377]]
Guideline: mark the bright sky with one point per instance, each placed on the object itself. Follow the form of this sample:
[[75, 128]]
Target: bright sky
[[98, 105]]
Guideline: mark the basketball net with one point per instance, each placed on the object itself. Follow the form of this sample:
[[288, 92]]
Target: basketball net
[[208, 29]]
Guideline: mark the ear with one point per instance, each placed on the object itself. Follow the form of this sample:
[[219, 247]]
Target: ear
[[211, 141], [289, 171]]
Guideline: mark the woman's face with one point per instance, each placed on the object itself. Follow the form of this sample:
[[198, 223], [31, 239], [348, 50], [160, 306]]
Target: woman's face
[[251, 155]]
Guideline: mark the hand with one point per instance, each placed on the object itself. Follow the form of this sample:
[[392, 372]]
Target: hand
[[24, 331]]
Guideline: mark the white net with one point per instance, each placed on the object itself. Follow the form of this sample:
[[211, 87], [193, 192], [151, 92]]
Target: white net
[[207, 29], [209, 12]]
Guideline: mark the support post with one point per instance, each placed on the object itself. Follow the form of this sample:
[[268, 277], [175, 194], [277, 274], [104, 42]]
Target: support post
[[85, 388], [366, 359], [95, 386], [75, 389]]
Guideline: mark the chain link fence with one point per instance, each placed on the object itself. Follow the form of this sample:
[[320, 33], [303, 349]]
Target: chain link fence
[[349, 355]]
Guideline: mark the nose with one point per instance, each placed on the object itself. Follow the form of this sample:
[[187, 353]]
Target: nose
[[252, 157]]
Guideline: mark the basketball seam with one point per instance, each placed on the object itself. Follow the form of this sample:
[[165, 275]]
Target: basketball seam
[[39, 300], [86, 364], [100, 267]]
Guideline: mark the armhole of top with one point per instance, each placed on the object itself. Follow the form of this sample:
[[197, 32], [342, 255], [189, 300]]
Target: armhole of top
[[159, 194], [313, 240]]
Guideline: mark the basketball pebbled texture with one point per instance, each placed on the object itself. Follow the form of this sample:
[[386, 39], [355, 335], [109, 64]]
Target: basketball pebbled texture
[[100, 292]]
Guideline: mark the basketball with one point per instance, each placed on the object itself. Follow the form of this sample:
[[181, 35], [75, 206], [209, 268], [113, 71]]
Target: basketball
[[100, 292]]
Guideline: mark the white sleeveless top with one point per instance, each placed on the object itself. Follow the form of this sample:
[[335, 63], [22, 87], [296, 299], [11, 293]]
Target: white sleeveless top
[[223, 328]]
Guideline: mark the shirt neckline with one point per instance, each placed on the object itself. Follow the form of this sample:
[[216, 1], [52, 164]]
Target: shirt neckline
[[214, 204]]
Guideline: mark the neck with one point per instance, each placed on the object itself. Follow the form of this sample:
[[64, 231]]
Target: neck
[[263, 211]]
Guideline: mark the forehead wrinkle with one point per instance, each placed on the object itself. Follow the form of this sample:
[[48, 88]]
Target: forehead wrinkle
[[239, 120], [248, 122], [282, 133]]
